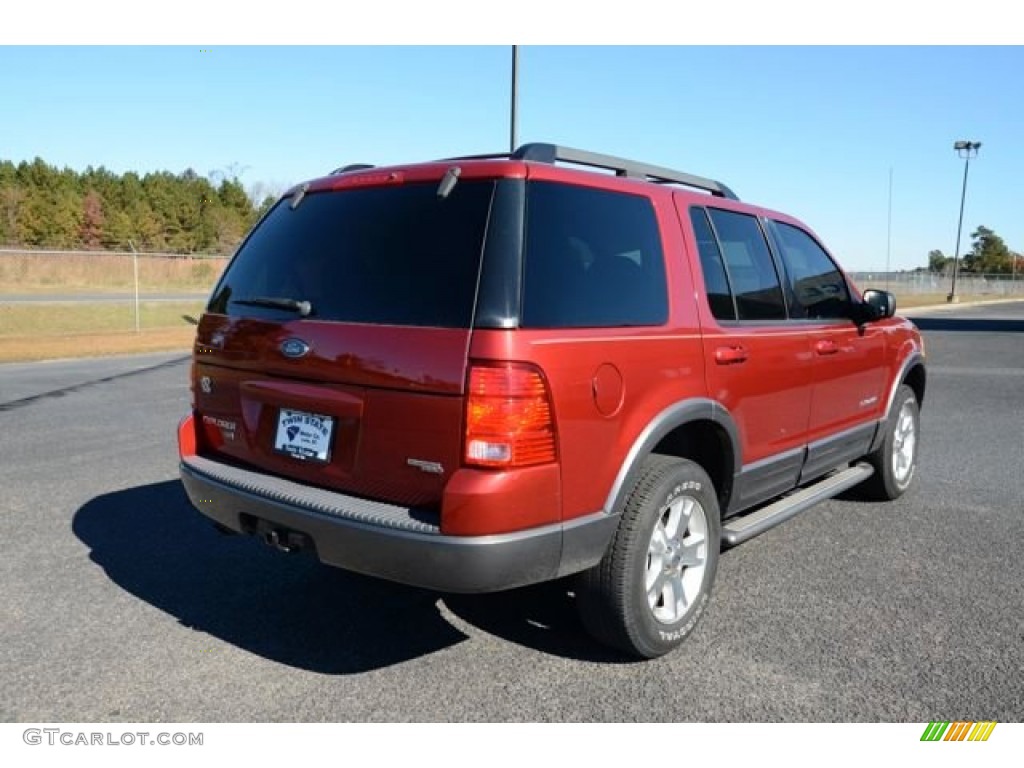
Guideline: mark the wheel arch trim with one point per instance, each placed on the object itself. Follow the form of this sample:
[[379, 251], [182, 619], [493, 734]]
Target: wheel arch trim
[[674, 416], [913, 359]]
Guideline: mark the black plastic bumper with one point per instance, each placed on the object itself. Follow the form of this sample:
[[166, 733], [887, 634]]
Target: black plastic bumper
[[393, 542]]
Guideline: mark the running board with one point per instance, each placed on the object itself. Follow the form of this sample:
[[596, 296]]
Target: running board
[[739, 529]]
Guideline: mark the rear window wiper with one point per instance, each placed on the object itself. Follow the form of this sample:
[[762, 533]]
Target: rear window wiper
[[304, 308]]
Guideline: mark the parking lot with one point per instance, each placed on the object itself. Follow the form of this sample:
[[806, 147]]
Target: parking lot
[[120, 603]]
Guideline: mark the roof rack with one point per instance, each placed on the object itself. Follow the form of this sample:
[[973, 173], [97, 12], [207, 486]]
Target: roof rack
[[552, 153], [487, 156], [352, 167]]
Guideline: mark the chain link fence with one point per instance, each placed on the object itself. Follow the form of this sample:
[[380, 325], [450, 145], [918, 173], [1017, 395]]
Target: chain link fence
[[38, 271], [72, 303], [993, 286], [24, 271]]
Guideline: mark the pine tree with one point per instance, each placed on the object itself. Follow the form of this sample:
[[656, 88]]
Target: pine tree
[[41, 205], [91, 233]]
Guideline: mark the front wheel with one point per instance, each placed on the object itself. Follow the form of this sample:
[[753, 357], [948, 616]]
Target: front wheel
[[651, 587], [895, 460]]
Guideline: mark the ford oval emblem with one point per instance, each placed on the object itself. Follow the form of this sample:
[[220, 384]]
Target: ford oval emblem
[[294, 348]]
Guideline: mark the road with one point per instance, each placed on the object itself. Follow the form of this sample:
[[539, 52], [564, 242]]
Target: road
[[121, 604]]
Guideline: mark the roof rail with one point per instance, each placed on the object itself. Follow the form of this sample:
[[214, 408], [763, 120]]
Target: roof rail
[[552, 153], [488, 156], [352, 167]]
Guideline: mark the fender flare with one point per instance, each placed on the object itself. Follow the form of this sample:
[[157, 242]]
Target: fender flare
[[914, 358], [675, 415]]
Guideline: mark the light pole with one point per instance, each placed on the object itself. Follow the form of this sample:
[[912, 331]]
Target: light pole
[[966, 150], [888, 234], [512, 138]]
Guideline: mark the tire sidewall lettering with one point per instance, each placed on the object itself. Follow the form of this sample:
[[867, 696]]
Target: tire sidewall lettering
[[681, 632], [667, 635]]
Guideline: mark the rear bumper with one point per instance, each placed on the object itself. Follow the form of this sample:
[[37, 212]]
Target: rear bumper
[[389, 541]]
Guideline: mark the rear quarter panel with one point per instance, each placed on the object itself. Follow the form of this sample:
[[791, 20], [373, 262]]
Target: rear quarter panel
[[607, 384]]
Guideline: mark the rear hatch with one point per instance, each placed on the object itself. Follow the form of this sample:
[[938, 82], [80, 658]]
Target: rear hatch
[[333, 350]]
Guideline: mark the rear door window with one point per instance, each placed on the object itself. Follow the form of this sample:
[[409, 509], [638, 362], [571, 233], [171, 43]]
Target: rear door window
[[716, 282], [397, 255], [751, 269], [593, 258]]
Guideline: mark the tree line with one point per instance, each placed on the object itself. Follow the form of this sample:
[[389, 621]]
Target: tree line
[[43, 206], [988, 255]]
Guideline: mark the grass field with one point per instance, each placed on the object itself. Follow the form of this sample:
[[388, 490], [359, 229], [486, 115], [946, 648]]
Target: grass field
[[50, 331], [911, 300], [29, 273], [29, 348], [47, 331]]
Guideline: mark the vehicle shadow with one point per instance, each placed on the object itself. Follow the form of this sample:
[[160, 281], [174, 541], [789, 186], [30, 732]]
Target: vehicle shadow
[[292, 609], [288, 608], [73, 388], [542, 617], [973, 325]]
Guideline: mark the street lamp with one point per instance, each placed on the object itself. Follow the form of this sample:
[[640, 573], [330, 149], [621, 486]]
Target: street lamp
[[966, 150], [512, 138]]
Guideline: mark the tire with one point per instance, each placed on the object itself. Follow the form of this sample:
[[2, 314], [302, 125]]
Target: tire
[[647, 593], [895, 460]]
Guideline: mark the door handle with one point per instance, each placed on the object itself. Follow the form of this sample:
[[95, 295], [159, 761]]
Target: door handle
[[730, 355], [826, 347]]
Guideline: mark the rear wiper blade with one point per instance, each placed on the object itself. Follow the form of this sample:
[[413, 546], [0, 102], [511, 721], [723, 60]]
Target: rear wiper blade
[[304, 308]]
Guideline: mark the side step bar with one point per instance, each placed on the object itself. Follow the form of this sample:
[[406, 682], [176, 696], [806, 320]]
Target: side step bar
[[739, 529]]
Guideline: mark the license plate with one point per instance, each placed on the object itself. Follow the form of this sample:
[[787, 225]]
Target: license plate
[[305, 436]]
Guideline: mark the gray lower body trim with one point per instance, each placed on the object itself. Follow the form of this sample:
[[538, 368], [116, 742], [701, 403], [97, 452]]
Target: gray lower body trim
[[740, 529], [389, 541], [825, 455], [766, 479]]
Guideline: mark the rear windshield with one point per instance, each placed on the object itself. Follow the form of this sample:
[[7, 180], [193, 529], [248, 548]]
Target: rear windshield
[[396, 255]]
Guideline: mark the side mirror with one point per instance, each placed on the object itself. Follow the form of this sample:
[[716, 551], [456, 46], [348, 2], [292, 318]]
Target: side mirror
[[878, 305]]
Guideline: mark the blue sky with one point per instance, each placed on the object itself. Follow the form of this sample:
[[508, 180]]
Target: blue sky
[[812, 131]]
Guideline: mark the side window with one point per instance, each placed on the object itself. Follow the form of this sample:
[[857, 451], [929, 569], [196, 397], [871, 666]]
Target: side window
[[755, 283], [593, 259], [716, 284], [818, 284]]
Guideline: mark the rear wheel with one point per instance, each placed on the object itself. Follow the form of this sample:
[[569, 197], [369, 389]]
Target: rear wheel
[[653, 584]]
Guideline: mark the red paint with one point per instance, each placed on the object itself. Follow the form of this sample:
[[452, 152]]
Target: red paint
[[400, 393]]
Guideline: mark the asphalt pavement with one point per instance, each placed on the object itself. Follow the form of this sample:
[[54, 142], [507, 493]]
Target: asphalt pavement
[[120, 603]]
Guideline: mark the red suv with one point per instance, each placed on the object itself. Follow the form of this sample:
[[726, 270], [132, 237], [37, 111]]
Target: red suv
[[484, 372]]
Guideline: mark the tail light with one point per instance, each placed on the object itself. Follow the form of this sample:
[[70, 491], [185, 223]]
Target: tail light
[[187, 436], [509, 421]]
